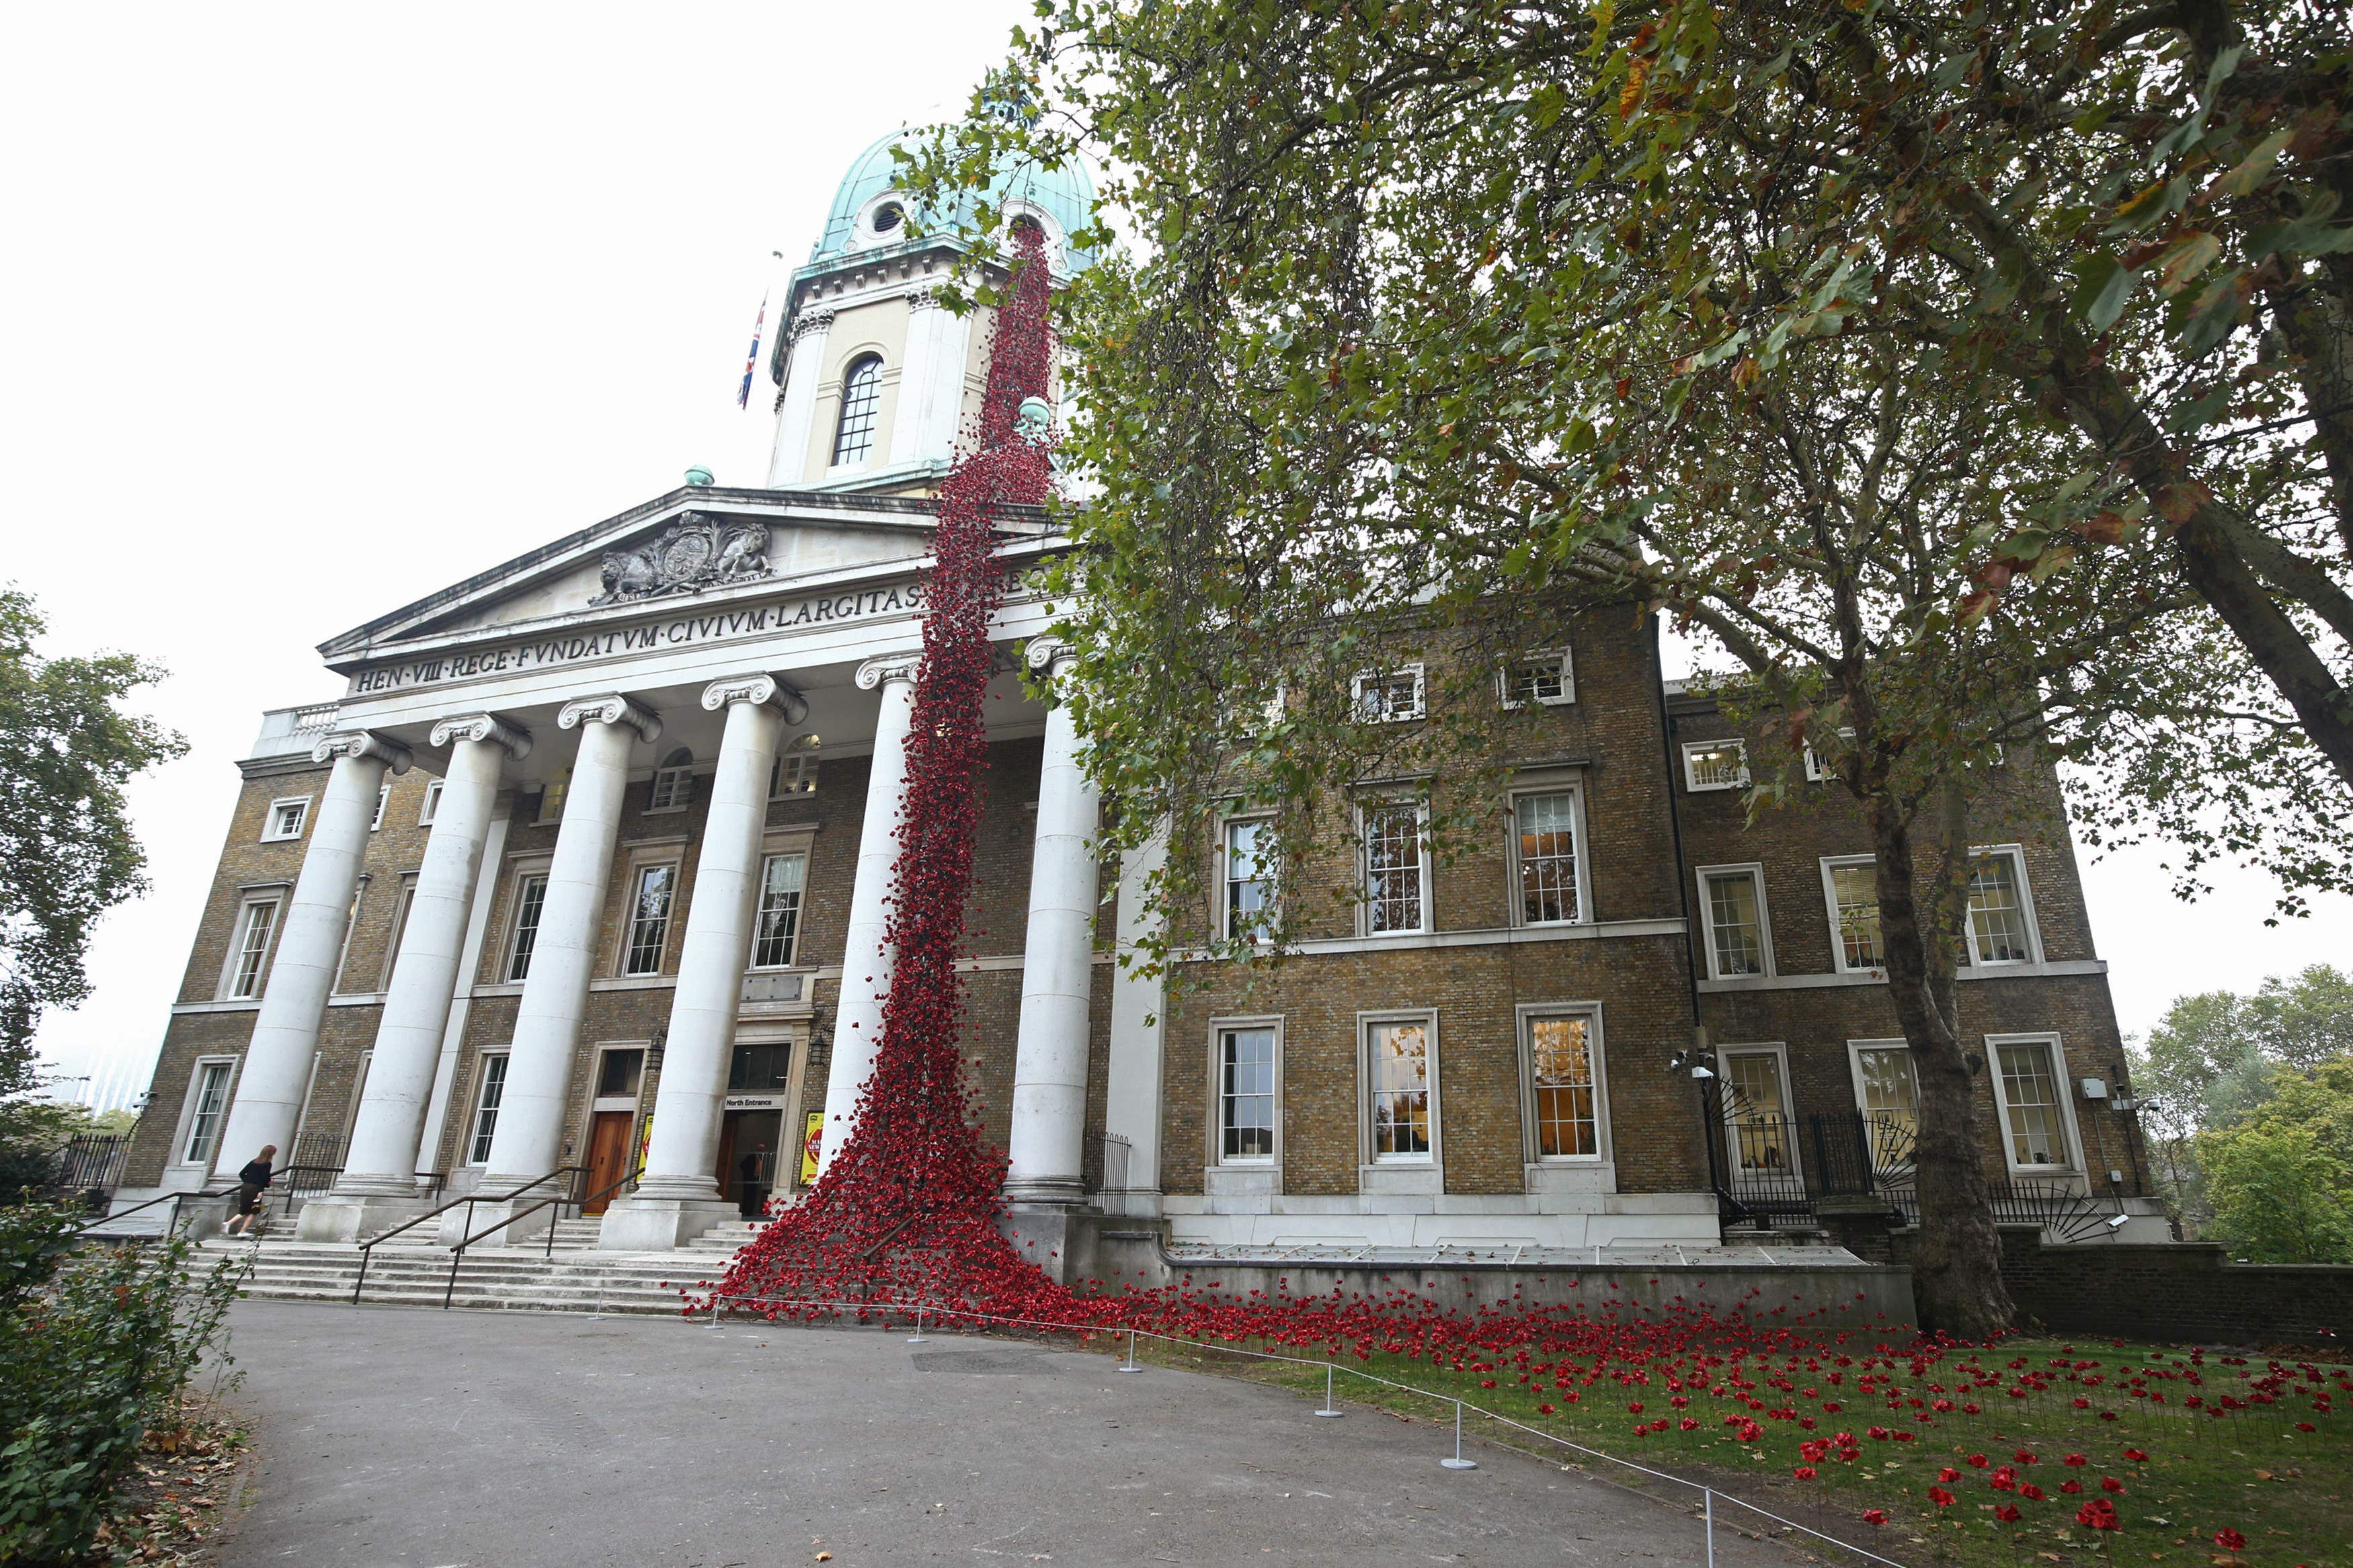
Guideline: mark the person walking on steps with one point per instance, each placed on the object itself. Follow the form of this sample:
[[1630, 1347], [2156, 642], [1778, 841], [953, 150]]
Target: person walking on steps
[[250, 1183]]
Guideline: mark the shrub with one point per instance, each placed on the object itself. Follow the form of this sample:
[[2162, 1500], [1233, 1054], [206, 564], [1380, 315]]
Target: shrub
[[98, 1345]]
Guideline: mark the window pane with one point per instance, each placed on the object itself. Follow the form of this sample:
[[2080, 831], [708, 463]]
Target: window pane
[[212, 1102], [1717, 764], [1388, 696], [1759, 1117], [529, 895], [486, 1109], [1246, 1094], [780, 910], [1560, 1068], [650, 920], [1997, 915], [618, 1072], [1539, 680], [759, 1069], [861, 395], [1857, 888], [253, 951], [2037, 1136], [1399, 1074], [1732, 918], [1249, 875], [1891, 1103], [1393, 867], [1547, 826]]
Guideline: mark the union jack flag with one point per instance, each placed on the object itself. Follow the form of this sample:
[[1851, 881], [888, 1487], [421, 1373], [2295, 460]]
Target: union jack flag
[[751, 362]]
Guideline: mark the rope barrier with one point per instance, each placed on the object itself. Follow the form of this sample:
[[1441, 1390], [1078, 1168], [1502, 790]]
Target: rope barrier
[[1707, 1494]]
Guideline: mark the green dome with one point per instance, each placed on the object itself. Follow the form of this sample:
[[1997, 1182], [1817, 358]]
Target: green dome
[[1066, 195]]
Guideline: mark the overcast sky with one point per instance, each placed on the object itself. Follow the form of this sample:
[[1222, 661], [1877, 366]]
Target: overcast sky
[[311, 313]]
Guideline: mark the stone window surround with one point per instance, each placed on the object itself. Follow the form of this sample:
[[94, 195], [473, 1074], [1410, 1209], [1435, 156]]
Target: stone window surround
[[519, 868], [1830, 864], [1854, 1049], [383, 800], [247, 895], [1545, 781], [1779, 1051], [269, 830], [1689, 749], [1398, 1177], [432, 803], [1704, 917], [1550, 1173], [1420, 708], [2068, 1126], [2017, 856], [1373, 797], [186, 1121], [476, 1082], [633, 860], [796, 838], [1241, 1178], [1225, 821], [1818, 771], [830, 392], [1504, 678]]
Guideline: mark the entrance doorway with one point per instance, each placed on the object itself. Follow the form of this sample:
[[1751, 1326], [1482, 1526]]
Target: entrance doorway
[[609, 1156], [748, 1141]]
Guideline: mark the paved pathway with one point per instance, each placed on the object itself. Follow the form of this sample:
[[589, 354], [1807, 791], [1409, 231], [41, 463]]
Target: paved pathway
[[394, 1438]]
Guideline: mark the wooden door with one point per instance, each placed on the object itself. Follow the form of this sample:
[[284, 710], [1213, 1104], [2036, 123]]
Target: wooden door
[[609, 1156]]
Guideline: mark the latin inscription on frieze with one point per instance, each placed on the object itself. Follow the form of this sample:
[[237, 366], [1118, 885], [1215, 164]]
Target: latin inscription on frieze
[[573, 647]]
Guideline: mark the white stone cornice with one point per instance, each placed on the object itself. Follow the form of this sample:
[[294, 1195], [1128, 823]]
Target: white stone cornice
[[889, 667], [513, 738], [759, 687], [362, 744], [611, 709]]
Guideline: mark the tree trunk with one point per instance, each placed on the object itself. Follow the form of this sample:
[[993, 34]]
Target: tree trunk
[[1956, 1261]]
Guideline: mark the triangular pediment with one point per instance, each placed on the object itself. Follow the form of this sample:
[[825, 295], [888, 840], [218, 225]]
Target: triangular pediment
[[680, 547]]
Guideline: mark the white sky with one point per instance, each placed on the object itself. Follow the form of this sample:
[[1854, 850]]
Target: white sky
[[311, 313]]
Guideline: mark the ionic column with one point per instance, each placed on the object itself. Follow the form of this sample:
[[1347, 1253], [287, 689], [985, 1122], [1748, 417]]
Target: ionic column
[[797, 414], [378, 1185], [866, 953], [1050, 1068], [529, 1140], [679, 1198], [310, 938]]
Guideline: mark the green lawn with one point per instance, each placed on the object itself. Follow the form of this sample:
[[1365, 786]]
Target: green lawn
[[2289, 1493]]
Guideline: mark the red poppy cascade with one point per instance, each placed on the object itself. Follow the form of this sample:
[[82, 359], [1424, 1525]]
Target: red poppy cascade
[[909, 1208]]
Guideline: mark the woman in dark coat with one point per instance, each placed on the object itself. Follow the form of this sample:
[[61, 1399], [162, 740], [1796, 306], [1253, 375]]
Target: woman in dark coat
[[250, 1183]]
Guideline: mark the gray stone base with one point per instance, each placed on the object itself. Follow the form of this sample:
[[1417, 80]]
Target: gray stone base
[[350, 1216], [1077, 1246], [640, 1224]]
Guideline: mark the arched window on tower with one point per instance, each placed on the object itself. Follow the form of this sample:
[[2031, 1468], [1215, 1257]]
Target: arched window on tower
[[861, 395], [673, 788]]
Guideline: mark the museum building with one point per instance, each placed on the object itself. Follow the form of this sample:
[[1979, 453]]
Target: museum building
[[583, 878]]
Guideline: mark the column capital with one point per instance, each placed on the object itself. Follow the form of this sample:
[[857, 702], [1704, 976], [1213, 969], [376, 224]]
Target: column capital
[[810, 322], [611, 709], [920, 299], [889, 667], [759, 689], [511, 738], [362, 744], [1051, 655]]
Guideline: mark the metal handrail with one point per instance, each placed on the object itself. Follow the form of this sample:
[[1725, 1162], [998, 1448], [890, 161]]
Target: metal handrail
[[367, 1247], [175, 1199], [458, 1255]]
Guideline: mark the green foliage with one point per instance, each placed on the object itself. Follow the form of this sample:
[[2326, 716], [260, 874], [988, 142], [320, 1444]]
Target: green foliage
[[97, 1349], [66, 853], [2281, 1178]]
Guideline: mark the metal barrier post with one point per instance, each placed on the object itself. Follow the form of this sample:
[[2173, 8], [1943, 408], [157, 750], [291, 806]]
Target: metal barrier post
[[1458, 1462], [917, 1337], [1708, 1501], [1130, 1365], [599, 1312], [1329, 1413], [714, 1312]]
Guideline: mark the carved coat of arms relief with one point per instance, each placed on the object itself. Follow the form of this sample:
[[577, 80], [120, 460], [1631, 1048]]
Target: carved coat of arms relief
[[695, 553]]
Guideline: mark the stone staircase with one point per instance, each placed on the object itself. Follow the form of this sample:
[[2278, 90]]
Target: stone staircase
[[574, 1277]]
